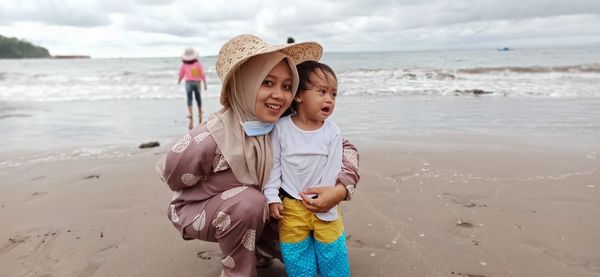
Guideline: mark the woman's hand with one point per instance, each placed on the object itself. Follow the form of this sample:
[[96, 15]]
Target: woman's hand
[[327, 198]]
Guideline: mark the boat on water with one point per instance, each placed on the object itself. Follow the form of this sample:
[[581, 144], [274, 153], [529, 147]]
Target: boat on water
[[504, 49], [71, 57]]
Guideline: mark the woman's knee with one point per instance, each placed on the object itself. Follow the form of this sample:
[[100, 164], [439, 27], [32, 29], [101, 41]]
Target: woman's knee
[[251, 206]]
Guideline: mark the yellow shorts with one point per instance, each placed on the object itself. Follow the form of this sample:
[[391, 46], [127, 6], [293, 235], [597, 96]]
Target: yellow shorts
[[298, 222]]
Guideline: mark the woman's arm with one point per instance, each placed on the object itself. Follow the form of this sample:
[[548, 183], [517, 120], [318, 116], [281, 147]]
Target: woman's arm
[[347, 181], [349, 175]]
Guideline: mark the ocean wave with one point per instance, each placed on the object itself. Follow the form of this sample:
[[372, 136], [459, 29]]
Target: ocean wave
[[407, 74], [430, 73], [75, 154], [582, 68], [145, 79]]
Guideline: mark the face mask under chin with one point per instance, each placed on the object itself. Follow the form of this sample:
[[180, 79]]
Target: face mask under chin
[[257, 128]]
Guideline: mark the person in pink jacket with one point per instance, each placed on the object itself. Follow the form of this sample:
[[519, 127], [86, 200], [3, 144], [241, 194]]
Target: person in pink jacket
[[191, 70]]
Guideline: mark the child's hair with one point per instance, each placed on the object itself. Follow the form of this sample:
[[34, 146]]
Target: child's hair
[[189, 62], [308, 67], [304, 82]]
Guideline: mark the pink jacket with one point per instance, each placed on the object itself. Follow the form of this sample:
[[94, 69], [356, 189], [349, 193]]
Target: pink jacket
[[191, 72]]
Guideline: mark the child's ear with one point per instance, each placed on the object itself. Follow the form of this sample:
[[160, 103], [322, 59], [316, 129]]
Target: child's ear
[[298, 98]]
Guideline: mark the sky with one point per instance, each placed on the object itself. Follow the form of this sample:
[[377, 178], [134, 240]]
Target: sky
[[163, 28]]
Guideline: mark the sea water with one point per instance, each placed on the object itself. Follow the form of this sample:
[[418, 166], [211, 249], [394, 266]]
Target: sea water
[[557, 73], [92, 107]]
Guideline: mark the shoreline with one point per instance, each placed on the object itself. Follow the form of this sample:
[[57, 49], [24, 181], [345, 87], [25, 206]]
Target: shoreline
[[51, 125]]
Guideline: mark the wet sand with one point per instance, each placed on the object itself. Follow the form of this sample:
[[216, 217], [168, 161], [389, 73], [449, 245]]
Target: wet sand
[[495, 212], [506, 210]]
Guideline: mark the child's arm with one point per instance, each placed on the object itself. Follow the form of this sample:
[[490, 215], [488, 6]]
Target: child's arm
[[202, 75], [329, 194], [347, 181], [181, 73], [271, 189]]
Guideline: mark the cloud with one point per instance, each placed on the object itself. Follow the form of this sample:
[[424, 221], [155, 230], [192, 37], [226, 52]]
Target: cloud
[[155, 2], [67, 12], [164, 27]]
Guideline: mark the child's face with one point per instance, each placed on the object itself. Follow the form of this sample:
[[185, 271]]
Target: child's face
[[275, 93], [317, 102]]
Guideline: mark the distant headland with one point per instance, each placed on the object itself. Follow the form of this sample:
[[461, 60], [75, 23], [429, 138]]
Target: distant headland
[[14, 48]]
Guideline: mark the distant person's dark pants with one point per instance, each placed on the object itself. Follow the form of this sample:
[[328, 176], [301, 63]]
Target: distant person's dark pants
[[193, 86]]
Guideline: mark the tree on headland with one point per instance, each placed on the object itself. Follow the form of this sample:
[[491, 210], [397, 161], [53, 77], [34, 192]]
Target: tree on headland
[[14, 48]]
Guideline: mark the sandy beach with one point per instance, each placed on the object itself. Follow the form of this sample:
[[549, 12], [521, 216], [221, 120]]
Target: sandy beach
[[502, 210]]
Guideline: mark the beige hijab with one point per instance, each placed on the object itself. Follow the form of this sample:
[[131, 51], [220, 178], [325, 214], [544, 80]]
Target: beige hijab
[[250, 158]]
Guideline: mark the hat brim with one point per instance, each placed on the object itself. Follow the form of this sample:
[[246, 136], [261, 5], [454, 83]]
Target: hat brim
[[189, 57], [302, 51], [298, 52]]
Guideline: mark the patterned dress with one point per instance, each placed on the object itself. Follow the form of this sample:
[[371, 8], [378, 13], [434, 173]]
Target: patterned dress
[[209, 204]]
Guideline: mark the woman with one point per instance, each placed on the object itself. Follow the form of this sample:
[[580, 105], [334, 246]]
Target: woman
[[217, 170]]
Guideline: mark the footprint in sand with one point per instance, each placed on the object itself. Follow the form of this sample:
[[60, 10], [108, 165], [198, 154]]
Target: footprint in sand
[[460, 200], [35, 255], [36, 195], [45, 241], [464, 224], [464, 231], [591, 265], [208, 255], [96, 260], [398, 177], [466, 274], [203, 255], [13, 242], [42, 255], [357, 243]]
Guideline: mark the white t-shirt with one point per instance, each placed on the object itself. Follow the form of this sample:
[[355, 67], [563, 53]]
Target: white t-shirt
[[304, 159]]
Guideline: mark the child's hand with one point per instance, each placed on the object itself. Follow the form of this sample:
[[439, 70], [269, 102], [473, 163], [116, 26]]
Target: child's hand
[[275, 210]]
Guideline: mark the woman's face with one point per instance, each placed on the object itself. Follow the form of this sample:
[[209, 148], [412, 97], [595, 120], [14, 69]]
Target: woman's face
[[275, 93]]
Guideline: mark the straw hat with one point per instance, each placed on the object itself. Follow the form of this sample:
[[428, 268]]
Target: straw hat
[[189, 54], [243, 47]]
